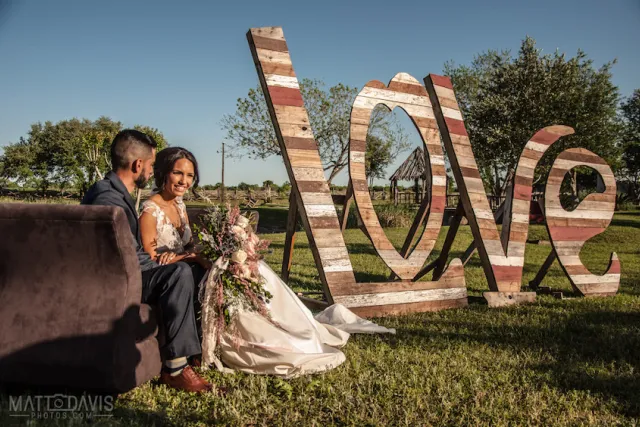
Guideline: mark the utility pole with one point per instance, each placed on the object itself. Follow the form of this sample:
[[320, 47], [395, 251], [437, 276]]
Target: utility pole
[[222, 195]]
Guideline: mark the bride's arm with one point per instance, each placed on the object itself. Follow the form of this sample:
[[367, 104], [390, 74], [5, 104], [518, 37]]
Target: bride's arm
[[149, 234]]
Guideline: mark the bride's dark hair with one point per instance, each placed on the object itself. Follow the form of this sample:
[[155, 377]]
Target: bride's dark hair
[[167, 158]]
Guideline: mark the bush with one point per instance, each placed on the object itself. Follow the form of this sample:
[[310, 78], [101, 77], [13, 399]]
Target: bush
[[625, 203], [626, 206], [389, 215]]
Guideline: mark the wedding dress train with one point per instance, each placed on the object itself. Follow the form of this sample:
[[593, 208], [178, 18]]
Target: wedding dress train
[[299, 344], [293, 343]]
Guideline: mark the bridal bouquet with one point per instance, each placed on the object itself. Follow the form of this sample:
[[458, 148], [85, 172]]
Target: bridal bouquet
[[228, 241]]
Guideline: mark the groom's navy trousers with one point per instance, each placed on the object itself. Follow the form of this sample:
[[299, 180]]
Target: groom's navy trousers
[[170, 287]]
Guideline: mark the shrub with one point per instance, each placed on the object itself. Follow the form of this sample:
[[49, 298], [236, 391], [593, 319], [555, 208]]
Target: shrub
[[389, 215]]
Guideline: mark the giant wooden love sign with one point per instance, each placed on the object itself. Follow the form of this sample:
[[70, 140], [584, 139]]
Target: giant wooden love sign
[[434, 111]]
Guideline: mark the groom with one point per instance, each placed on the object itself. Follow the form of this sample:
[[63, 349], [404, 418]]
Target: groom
[[170, 286]]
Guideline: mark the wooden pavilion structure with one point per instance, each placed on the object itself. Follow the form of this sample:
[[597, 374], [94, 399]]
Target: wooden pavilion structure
[[415, 168]]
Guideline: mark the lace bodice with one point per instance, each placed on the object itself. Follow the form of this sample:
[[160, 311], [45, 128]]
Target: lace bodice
[[169, 238]]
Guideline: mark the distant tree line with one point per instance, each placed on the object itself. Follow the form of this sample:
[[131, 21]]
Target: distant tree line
[[285, 188], [504, 100], [67, 155]]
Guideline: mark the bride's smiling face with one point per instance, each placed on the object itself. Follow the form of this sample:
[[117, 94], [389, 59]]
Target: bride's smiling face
[[180, 178]]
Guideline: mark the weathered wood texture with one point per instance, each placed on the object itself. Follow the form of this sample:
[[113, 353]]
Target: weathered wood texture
[[407, 93], [503, 299], [391, 298], [302, 159], [569, 230], [315, 204], [502, 257]]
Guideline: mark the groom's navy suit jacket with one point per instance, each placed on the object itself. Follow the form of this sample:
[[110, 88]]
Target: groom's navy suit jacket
[[111, 192]]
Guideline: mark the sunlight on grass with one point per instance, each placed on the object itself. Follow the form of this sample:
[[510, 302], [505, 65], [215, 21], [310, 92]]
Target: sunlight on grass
[[554, 362]]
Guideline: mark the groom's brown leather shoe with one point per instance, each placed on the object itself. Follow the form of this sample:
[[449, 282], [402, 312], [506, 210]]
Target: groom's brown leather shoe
[[187, 380]]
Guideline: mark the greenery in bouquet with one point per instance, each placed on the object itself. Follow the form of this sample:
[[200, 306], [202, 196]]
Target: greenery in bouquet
[[228, 241]]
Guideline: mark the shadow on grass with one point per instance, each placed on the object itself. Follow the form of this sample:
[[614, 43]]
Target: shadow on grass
[[145, 418], [629, 213], [69, 378], [361, 248], [590, 349], [126, 416], [621, 222]]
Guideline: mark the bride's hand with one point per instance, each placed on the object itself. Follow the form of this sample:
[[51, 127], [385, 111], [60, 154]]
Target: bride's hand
[[166, 258]]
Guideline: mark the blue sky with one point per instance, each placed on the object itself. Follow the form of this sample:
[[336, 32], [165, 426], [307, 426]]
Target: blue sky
[[180, 66]]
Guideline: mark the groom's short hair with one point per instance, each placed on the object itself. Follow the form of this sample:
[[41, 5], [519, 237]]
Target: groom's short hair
[[129, 145]]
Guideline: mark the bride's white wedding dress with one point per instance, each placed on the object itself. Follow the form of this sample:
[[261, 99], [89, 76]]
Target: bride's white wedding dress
[[295, 343]]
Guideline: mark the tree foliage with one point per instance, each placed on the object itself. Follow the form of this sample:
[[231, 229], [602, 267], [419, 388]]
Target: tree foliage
[[377, 157], [505, 100], [631, 143], [70, 153], [251, 132]]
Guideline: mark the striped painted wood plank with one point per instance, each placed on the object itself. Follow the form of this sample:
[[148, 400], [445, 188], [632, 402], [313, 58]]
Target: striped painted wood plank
[[569, 230], [401, 297], [412, 307], [302, 159], [407, 93], [312, 193], [379, 299], [502, 256]]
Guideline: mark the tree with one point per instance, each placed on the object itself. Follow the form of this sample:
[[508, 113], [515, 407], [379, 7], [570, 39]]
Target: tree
[[71, 152], [49, 155], [377, 157], [250, 129], [243, 186], [18, 162], [155, 134], [505, 100], [285, 189], [631, 143], [96, 145]]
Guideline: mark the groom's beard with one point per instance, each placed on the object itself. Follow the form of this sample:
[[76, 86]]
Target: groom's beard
[[141, 181]]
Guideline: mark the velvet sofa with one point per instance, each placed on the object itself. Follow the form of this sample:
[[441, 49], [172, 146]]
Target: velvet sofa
[[70, 291]]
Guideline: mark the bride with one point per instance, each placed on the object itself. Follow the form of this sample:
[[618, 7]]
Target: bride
[[293, 343]]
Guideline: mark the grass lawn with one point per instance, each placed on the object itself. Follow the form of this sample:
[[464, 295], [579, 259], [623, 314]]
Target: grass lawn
[[556, 362]]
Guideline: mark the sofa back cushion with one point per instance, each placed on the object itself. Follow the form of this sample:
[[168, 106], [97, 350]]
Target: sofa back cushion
[[69, 286]]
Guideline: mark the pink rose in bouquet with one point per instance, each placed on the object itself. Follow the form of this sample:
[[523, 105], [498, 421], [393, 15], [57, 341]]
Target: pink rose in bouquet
[[228, 240], [239, 256], [239, 232], [242, 222]]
